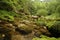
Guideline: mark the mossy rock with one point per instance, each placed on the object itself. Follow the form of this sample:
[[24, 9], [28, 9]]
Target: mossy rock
[[25, 28]]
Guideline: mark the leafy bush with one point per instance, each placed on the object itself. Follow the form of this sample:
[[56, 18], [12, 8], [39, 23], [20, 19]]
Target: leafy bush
[[42, 12], [58, 9], [55, 29], [5, 6], [5, 15]]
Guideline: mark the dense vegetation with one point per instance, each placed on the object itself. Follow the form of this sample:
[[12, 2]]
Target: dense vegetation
[[29, 20]]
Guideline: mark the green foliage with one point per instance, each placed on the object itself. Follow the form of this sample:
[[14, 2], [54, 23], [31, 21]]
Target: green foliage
[[42, 12], [48, 13], [5, 15], [58, 9], [5, 6], [56, 27], [45, 38]]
